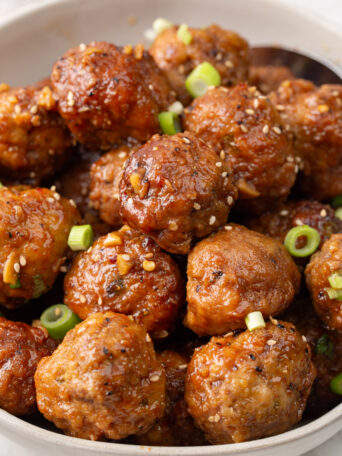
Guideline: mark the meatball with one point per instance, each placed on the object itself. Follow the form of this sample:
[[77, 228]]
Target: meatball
[[245, 130], [268, 77], [278, 223], [105, 175], [34, 141], [174, 189], [21, 348], [249, 386], [326, 349], [313, 118], [322, 264], [126, 272], [176, 428], [106, 93], [34, 229], [234, 272], [225, 50], [103, 381]]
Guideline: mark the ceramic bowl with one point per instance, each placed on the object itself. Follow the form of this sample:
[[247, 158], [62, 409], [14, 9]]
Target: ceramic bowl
[[33, 37]]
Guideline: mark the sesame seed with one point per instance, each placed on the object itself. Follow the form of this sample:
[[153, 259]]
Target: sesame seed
[[34, 109], [122, 154], [148, 338], [125, 257], [230, 200], [219, 56], [149, 255], [186, 140], [284, 212], [335, 93], [72, 202], [57, 196], [82, 299], [99, 301], [256, 103], [22, 260], [50, 200], [296, 169], [150, 86], [298, 222], [244, 128], [155, 378], [289, 159], [228, 227], [130, 201], [271, 342], [182, 366], [276, 379], [211, 419], [252, 89], [16, 267], [32, 174], [229, 64], [53, 188], [273, 321], [222, 155], [224, 174], [17, 109], [173, 225], [212, 220], [304, 339], [266, 129], [277, 130], [280, 107], [197, 206], [218, 164], [70, 98], [63, 269], [323, 213], [149, 265], [250, 112], [82, 47]]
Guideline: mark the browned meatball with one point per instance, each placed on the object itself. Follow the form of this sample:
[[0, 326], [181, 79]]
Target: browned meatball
[[34, 229], [322, 264], [105, 175], [326, 349], [21, 348], [268, 77], [234, 272], [174, 189], [225, 50], [277, 223], [106, 93], [313, 117], [126, 272], [103, 381], [249, 386], [245, 130], [176, 428], [34, 140]]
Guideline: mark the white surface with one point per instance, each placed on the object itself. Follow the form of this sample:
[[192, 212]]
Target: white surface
[[331, 9]]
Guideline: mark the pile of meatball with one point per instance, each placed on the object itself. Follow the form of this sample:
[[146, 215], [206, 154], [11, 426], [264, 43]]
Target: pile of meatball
[[189, 231]]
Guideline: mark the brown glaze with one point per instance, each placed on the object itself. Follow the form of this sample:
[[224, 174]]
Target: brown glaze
[[246, 129], [34, 229], [322, 264], [21, 348], [34, 141], [268, 77], [111, 276], [233, 273], [313, 117], [103, 381], [249, 386], [106, 93], [173, 190], [225, 50]]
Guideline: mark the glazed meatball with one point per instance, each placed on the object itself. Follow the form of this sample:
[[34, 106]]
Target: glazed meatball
[[322, 264], [174, 189], [176, 428], [313, 117], [105, 175], [21, 348], [249, 386], [326, 349], [268, 77], [106, 93], [245, 130], [234, 272], [126, 272], [225, 50], [278, 223], [103, 381], [34, 141], [34, 229]]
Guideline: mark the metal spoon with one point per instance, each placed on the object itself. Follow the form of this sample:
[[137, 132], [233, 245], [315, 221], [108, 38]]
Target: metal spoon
[[301, 65]]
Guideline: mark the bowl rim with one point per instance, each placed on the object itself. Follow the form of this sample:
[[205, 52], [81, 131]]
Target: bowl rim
[[35, 432]]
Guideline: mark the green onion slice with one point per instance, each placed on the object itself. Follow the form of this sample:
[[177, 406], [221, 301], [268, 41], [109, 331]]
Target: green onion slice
[[39, 286], [15, 285], [169, 122], [335, 280], [312, 236], [338, 213], [255, 320], [325, 346], [58, 320], [336, 202], [201, 78], [336, 384], [160, 24], [334, 294], [81, 237], [184, 34]]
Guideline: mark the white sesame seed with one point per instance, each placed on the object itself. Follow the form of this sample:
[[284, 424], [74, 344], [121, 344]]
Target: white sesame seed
[[266, 129], [155, 378], [82, 47], [211, 419], [148, 338], [284, 213], [57, 196], [218, 164], [53, 188], [17, 109], [219, 56], [229, 64], [32, 174], [72, 202], [34, 109], [280, 107], [99, 301], [273, 321], [63, 269], [228, 227], [271, 342], [323, 213], [335, 93], [197, 206], [122, 154], [256, 103], [82, 298], [244, 128], [298, 222], [296, 169], [22, 260], [70, 98], [130, 201], [16, 267], [50, 200], [277, 130], [222, 155], [150, 86], [217, 418], [186, 140], [224, 174], [276, 379], [289, 159], [304, 339], [230, 200], [125, 257], [250, 112], [212, 220]]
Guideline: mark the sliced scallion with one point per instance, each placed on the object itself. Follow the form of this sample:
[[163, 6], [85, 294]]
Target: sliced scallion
[[184, 34], [255, 320], [334, 294], [58, 320], [325, 346], [81, 237], [160, 24], [336, 384], [337, 201], [39, 286], [15, 285], [335, 280], [338, 213], [201, 78], [169, 122], [312, 236]]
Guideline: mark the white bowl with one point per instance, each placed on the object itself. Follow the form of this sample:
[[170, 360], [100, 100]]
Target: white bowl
[[30, 41]]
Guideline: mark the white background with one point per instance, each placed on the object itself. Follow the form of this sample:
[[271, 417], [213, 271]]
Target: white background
[[330, 9]]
